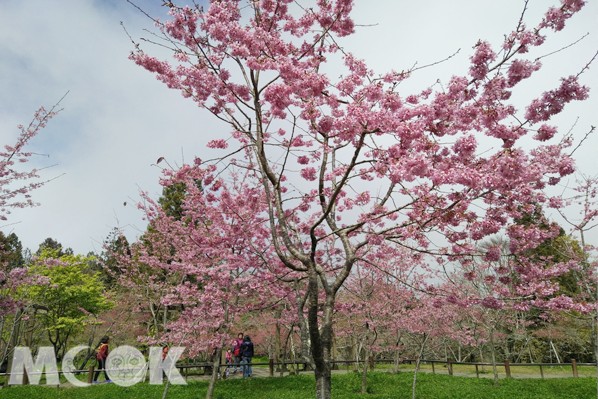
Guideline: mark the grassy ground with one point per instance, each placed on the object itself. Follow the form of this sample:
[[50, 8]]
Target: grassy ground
[[345, 386], [517, 371]]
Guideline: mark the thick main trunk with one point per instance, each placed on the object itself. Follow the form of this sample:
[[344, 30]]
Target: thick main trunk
[[320, 332], [323, 384]]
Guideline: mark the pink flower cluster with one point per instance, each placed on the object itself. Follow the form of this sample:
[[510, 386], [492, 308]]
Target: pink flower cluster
[[552, 102]]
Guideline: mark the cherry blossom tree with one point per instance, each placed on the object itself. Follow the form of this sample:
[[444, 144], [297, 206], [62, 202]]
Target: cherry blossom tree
[[585, 198], [372, 310], [217, 257], [145, 285], [379, 309], [518, 289], [17, 182], [16, 185], [345, 160]]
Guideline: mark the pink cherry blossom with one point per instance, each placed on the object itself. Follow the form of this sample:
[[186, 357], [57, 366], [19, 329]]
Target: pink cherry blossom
[[345, 166]]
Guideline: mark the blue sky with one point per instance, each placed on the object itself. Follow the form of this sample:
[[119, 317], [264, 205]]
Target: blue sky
[[117, 119]]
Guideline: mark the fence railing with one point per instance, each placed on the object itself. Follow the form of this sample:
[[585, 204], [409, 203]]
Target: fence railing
[[435, 366], [506, 368], [509, 368]]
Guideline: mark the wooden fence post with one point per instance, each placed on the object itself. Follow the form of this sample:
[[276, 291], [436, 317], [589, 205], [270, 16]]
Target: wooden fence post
[[90, 372], [449, 366], [541, 372], [271, 365], [433, 369], [477, 371], [574, 367], [507, 369]]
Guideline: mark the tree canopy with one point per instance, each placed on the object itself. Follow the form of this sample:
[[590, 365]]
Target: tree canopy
[[352, 169]]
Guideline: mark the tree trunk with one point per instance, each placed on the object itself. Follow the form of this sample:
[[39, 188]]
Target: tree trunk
[[556, 354], [334, 353], [493, 352], [90, 347], [277, 341], [63, 345], [2, 350], [31, 328], [323, 383], [321, 338], [364, 371], [417, 364], [397, 361], [595, 332], [288, 351], [304, 333], [54, 340], [215, 371], [294, 369], [164, 318], [13, 341]]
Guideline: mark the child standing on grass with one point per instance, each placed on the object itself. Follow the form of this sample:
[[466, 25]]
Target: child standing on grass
[[229, 362]]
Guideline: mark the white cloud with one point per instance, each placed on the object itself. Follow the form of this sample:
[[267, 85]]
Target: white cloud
[[118, 119]]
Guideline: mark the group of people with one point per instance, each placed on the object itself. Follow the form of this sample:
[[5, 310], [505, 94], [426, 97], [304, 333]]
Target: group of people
[[239, 356]]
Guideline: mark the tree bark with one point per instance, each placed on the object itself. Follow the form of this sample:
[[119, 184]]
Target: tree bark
[[14, 339], [417, 364], [215, 371], [397, 359], [493, 352], [323, 384], [321, 338], [304, 328], [277, 340], [556, 354], [364, 371], [2, 322]]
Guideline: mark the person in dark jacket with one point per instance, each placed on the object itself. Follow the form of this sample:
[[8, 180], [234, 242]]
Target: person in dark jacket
[[246, 355]]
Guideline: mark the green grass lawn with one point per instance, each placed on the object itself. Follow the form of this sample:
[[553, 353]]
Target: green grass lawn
[[517, 371], [346, 386]]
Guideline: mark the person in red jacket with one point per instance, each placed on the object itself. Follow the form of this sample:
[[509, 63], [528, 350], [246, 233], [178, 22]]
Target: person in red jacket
[[101, 357], [236, 349]]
